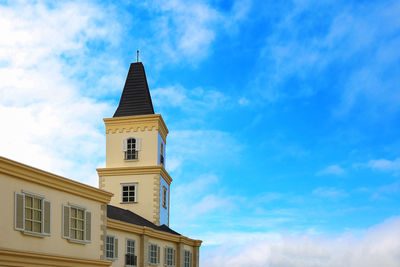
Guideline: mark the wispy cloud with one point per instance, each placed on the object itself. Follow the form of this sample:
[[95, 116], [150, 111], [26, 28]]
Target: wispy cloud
[[379, 246], [384, 164], [332, 169], [329, 192], [301, 55]]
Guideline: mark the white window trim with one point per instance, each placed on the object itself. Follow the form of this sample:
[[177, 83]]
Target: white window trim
[[173, 256], [190, 258], [126, 249], [105, 249], [136, 193], [138, 145], [42, 198], [69, 238], [158, 250]]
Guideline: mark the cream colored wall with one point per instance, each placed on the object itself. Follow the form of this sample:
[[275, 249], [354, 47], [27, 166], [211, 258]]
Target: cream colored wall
[[53, 244], [122, 236], [147, 154], [147, 189]]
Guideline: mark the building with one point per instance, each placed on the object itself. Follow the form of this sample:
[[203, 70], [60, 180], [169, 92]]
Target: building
[[49, 220]]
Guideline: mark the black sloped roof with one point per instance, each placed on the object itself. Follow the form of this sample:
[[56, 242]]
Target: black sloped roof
[[130, 217], [135, 98]]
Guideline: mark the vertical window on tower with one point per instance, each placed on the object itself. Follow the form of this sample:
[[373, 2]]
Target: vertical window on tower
[[162, 153], [131, 149], [164, 197], [128, 192]]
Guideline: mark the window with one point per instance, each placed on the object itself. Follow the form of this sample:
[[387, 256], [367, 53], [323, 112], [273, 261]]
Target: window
[[169, 256], [154, 254], [32, 213], [131, 259], [164, 197], [128, 192], [76, 223], [188, 259], [162, 153], [111, 247], [131, 146]]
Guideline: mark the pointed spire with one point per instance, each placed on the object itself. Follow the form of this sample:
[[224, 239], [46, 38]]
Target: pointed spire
[[135, 98]]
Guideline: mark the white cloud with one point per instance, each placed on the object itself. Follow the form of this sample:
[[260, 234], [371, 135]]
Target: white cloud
[[379, 246], [48, 120], [332, 169], [329, 192], [384, 164]]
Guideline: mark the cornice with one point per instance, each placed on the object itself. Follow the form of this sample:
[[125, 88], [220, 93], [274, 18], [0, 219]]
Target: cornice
[[135, 170], [142, 122], [23, 258], [144, 230], [37, 176]]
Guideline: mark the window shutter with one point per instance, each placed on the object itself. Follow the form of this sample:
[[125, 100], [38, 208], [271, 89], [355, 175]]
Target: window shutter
[[88, 226], [125, 145], [158, 254], [66, 212], [115, 248], [46, 217], [19, 219], [149, 253], [138, 143], [165, 256]]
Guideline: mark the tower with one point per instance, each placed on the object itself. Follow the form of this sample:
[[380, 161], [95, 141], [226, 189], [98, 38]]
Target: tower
[[135, 153]]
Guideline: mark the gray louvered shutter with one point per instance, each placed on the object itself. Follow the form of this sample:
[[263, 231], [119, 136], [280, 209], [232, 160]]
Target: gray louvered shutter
[[149, 253], [138, 143], [158, 254], [66, 213], [115, 247], [88, 226], [46, 217], [125, 145], [165, 256], [19, 219]]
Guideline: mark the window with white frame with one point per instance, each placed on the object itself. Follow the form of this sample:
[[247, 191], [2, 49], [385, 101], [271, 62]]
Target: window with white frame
[[164, 197], [111, 247], [32, 213], [77, 219], [77, 223], [131, 258], [128, 192], [169, 256], [154, 254], [188, 259], [131, 147]]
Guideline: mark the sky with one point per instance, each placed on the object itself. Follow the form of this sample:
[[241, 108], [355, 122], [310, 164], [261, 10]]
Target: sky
[[283, 116]]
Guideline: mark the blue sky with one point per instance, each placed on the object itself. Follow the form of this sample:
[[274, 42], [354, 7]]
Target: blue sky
[[283, 115]]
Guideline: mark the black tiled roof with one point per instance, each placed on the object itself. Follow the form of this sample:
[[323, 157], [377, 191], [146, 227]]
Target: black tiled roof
[[135, 98], [130, 217]]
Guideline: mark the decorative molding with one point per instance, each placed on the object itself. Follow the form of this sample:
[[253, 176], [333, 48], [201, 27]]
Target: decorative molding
[[143, 230], [23, 258], [37, 176], [135, 170], [136, 123]]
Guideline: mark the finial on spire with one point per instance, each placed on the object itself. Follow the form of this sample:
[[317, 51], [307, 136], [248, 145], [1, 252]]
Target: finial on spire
[[137, 56]]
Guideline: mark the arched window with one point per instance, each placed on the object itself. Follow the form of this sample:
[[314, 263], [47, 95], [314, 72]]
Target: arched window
[[131, 146]]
